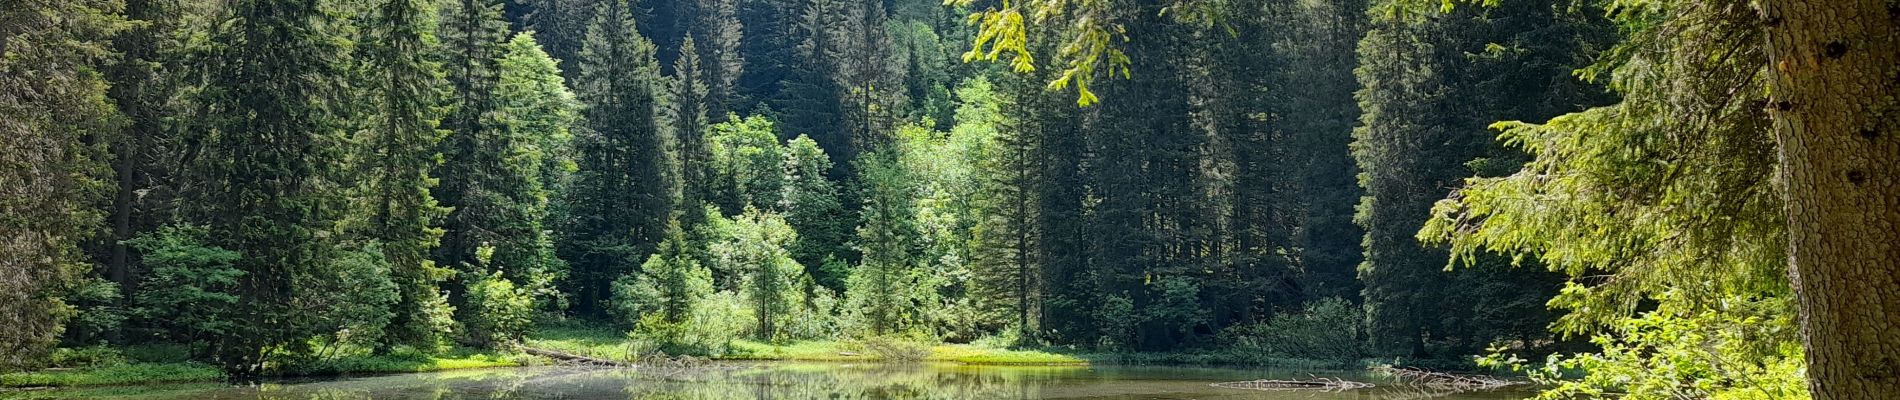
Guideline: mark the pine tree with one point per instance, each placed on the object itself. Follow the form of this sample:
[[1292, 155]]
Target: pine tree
[[52, 101], [718, 29], [620, 199], [560, 26], [475, 151], [537, 113], [688, 112], [398, 154], [810, 203], [144, 79], [268, 170]]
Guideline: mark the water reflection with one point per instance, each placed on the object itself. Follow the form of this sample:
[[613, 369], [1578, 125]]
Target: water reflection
[[782, 381]]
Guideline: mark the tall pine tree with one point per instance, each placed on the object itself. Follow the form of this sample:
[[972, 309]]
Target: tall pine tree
[[398, 153], [52, 103], [621, 195], [267, 169]]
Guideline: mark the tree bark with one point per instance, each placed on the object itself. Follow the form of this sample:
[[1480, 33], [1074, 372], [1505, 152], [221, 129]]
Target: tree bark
[[1836, 67]]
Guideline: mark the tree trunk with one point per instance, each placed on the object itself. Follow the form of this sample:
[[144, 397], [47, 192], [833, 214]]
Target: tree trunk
[[1836, 68]]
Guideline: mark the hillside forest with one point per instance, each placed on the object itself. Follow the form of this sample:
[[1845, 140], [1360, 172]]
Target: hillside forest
[[1641, 198]]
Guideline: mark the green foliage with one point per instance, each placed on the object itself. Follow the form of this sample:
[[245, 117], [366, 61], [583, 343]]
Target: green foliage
[[121, 374], [620, 199], [99, 311], [715, 322], [770, 279], [500, 311], [893, 348], [191, 293], [53, 106], [82, 357], [670, 284], [812, 207], [890, 292], [748, 165], [397, 153], [1670, 354], [1410, 151], [1327, 329], [352, 304]]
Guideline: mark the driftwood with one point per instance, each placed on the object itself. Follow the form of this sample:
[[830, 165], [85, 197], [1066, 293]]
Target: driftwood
[[575, 358], [1328, 384], [1443, 380]]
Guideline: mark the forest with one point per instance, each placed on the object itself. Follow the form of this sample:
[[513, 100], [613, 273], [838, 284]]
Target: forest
[[1651, 199]]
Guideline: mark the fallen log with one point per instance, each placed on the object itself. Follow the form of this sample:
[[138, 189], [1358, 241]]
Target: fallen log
[[1281, 384], [575, 358], [1435, 379]]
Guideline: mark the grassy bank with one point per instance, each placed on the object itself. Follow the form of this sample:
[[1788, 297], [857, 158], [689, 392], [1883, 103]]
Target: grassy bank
[[612, 344], [147, 365]]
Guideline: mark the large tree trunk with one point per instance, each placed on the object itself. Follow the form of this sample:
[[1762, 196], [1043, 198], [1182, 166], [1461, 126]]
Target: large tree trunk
[[1836, 67]]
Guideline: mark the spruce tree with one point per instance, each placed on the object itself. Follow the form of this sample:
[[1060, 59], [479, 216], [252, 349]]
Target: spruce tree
[[811, 205], [52, 107], [620, 199], [719, 35], [145, 78], [688, 113], [537, 114], [397, 156], [268, 168], [475, 150]]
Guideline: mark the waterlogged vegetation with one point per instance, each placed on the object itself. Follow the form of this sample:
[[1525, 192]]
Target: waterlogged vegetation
[[1645, 199]]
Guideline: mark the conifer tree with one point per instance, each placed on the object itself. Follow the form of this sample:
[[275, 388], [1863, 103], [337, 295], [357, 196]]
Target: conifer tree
[[888, 289], [536, 112], [688, 113], [268, 171], [810, 203], [475, 153], [620, 199], [145, 79], [398, 153], [720, 35], [560, 26], [52, 105]]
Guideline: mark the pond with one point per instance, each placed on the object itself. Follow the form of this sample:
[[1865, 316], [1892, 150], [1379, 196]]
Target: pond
[[793, 381]]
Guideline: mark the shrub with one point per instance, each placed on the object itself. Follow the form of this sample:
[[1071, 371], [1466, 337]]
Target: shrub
[[85, 357], [190, 293], [99, 312], [500, 311], [352, 302], [714, 323], [1327, 329]]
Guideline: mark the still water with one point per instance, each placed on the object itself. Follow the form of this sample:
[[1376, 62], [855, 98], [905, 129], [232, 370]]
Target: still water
[[797, 381]]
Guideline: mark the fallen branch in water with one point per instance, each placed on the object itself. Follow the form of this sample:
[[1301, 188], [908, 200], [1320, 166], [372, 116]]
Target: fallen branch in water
[[575, 358], [1434, 379], [1329, 384]]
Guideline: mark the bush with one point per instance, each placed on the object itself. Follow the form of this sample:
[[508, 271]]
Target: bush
[[714, 324], [351, 303], [1327, 329], [86, 357], [500, 312], [99, 312], [190, 294]]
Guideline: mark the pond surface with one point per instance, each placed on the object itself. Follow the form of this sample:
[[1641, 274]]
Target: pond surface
[[795, 381]]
